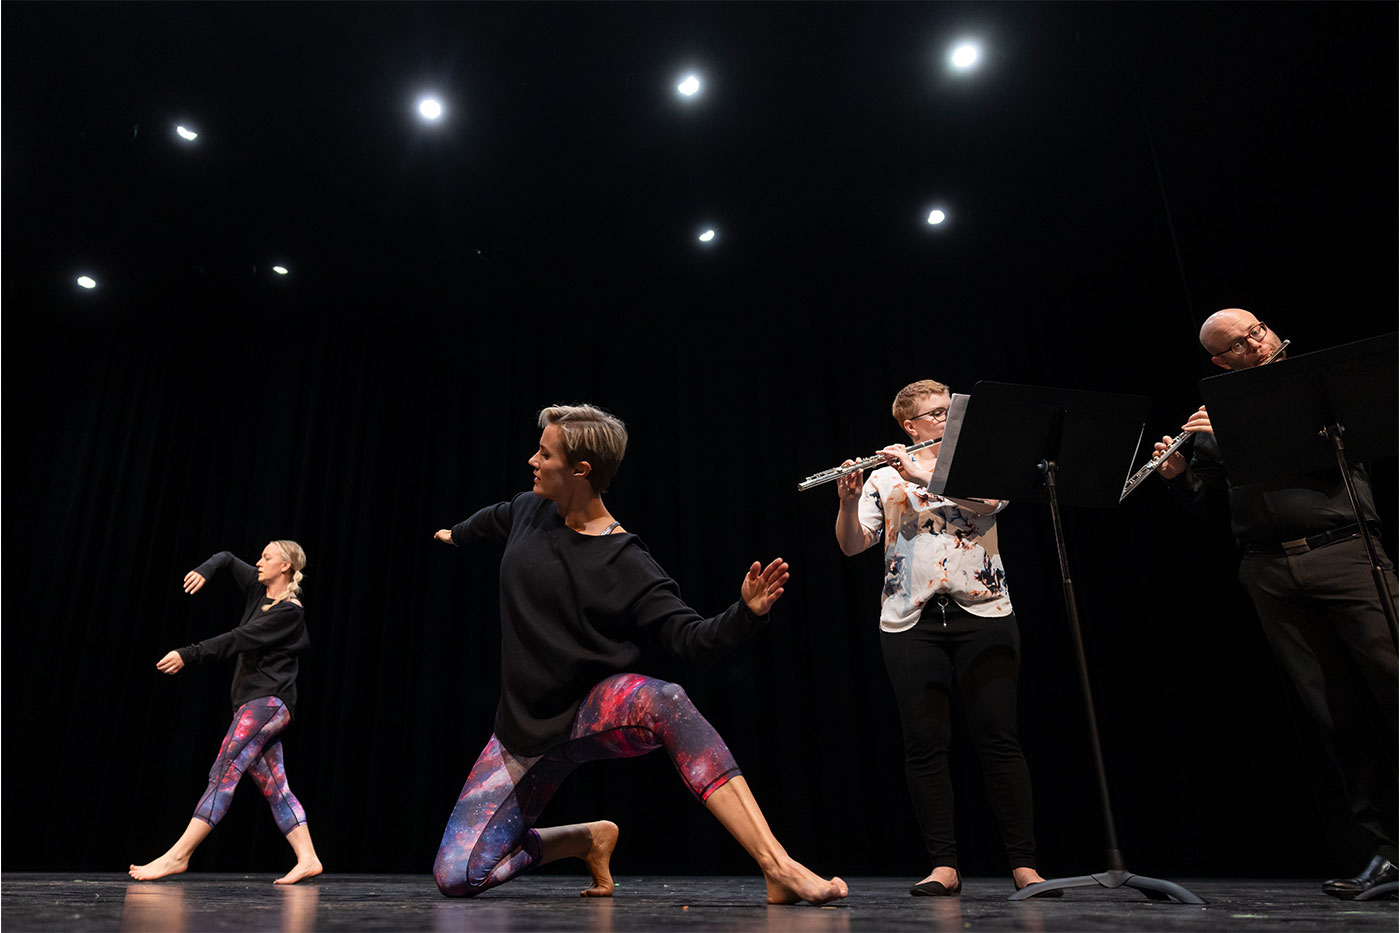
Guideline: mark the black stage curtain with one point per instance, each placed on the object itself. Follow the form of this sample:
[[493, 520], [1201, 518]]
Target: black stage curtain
[[147, 441]]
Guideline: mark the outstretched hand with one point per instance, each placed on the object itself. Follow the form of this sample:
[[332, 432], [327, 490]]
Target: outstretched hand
[[193, 582], [763, 586], [444, 535], [172, 663]]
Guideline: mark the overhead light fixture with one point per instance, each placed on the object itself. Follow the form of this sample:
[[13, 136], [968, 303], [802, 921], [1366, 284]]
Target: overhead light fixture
[[964, 56]]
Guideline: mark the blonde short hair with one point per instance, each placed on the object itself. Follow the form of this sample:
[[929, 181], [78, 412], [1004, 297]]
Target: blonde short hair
[[906, 403], [293, 554], [590, 434]]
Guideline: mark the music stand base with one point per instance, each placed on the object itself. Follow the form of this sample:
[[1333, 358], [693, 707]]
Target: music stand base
[[1154, 888], [1380, 890]]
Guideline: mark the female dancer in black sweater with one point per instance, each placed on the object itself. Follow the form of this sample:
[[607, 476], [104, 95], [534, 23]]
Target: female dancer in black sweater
[[267, 641], [580, 600]]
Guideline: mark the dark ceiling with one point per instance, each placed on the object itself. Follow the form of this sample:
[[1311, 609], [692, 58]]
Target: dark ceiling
[[1149, 146]]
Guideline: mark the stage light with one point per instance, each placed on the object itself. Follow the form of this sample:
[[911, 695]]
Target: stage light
[[186, 135], [430, 108], [937, 217], [707, 237], [964, 56], [87, 281], [690, 86], [280, 270]]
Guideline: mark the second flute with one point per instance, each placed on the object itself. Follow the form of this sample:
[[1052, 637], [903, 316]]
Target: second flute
[[1159, 458]]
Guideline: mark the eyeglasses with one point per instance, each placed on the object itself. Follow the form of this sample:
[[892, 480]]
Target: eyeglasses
[[1256, 333], [939, 415]]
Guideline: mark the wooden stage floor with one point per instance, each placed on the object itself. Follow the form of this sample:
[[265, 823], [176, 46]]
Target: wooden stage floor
[[237, 902]]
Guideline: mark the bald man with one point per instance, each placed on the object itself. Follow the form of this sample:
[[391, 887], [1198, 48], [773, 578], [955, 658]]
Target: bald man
[[1307, 571]]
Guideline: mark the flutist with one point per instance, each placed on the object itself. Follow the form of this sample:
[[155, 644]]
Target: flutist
[[1306, 569], [945, 623]]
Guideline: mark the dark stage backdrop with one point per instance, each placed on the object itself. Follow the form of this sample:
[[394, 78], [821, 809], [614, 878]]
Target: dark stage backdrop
[[1129, 171]]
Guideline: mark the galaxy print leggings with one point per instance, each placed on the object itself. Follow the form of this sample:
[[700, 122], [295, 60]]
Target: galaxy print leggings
[[252, 745], [489, 838]]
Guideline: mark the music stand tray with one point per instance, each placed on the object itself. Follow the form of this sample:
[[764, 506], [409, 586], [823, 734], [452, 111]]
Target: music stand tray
[[1269, 421], [1044, 445]]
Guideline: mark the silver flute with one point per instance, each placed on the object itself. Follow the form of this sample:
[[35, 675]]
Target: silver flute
[[1157, 460], [835, 473], [1147, 468]]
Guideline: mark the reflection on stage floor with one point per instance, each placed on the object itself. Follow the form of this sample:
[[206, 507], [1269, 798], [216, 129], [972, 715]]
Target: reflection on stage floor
[[238, 902]]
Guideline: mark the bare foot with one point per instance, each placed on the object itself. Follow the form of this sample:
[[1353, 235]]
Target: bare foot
[[599, 858], [301, 871], [789, 882], [167, 864]]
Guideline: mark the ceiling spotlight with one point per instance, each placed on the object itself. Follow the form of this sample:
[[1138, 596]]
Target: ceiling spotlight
[[707, 236], [187, 135], [87, 281], [690, 86], [430, 108], [280, 270], [937, 217], [964, 56]]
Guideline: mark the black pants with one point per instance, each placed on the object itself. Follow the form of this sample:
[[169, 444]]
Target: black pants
[[1323, 619], [982, 657]]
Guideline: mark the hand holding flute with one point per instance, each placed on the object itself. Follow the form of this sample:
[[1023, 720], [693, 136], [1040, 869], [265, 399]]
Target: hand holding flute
[[850, 480], [1174, 464], [910, 469], [850, 475], [904, 463]]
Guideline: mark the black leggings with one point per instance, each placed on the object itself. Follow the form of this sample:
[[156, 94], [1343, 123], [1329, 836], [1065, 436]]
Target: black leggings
[[983, 656]]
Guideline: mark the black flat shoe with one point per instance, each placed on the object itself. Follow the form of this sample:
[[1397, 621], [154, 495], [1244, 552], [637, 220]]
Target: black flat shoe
[[1056, 892], [935, 889], [1379, 871]]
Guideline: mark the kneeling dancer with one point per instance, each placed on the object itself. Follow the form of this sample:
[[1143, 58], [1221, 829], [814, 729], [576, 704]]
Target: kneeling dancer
[[581, 598]]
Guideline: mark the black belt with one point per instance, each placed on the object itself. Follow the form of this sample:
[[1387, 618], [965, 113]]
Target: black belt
[[1310, 543]]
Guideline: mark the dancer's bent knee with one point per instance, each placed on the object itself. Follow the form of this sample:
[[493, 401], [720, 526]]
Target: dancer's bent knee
[[618, 713], [481, 870]]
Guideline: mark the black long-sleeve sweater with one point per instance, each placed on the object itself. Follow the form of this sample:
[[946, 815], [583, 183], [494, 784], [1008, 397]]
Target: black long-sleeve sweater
[[1264, 514], [267, 640], [578, 608]]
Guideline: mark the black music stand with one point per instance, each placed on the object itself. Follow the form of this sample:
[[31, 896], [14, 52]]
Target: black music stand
[[1290, 417], [1045, 445]]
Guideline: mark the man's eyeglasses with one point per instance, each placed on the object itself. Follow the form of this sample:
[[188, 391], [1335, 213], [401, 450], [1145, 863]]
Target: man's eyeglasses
[[939, 415], [1256, 333]]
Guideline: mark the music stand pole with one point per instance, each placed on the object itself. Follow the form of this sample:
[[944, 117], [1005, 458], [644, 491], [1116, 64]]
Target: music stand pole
[[1117, 875], [1334, 433], [1115, 855]]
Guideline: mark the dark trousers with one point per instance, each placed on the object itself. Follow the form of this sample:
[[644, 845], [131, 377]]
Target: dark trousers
[[980, 657], [1323, 619]]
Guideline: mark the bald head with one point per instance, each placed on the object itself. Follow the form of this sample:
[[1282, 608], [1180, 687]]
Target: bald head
[[1229, 327]]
